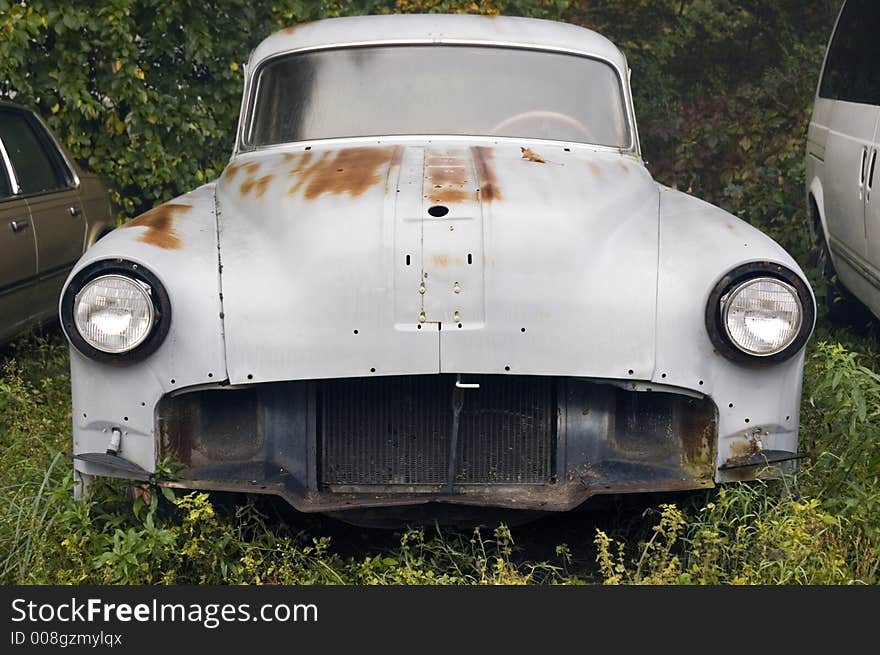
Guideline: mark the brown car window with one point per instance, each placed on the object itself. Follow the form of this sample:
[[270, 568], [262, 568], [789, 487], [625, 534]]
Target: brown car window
[[37, 167]]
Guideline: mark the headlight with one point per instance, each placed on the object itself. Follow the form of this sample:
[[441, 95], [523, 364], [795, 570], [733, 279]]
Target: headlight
[[760, 312], [762, 316], [115, 311]]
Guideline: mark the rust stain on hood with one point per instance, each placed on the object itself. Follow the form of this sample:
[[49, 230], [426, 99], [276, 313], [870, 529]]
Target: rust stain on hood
[[483, 161], [446, 174], [348, 171], [159, 222]]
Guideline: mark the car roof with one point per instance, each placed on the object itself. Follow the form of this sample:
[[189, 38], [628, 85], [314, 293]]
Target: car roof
[[440, 28]]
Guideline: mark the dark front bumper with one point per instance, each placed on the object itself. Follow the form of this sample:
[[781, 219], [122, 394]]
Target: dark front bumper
[[540, 443]]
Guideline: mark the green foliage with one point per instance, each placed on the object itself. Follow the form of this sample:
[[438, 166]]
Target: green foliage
[[744, 535], [34, 432]]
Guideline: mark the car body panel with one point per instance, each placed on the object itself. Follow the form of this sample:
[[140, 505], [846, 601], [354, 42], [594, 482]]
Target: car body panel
[[17, 262], [178, 239], [397, 294], [698, 242]]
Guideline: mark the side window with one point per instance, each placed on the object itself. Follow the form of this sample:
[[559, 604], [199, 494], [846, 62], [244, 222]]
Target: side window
[[852, 72], [37, 165]]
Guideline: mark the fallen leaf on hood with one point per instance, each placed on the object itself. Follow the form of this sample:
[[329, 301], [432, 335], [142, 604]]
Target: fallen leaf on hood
[[531, 155]]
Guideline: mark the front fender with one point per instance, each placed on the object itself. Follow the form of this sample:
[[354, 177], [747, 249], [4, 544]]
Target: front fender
[[177, 242], [699, 244]]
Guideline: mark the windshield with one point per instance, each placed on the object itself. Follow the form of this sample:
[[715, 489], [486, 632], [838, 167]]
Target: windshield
[[430, 89]]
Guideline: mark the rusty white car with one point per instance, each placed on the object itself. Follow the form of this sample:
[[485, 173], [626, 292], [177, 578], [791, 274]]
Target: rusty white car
[[436, 270]]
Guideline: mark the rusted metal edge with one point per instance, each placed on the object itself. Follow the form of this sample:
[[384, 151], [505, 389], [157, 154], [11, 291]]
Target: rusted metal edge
[[762, 458], [552, 497], [112, 461]]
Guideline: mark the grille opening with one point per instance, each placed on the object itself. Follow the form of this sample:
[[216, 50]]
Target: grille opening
[[397, 430]]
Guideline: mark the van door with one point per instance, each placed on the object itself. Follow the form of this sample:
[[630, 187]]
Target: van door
[[850, 80], [847, 155], [872, 204]]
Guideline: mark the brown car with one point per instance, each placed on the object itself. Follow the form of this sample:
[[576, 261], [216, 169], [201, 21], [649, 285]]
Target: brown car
[[50, 212]]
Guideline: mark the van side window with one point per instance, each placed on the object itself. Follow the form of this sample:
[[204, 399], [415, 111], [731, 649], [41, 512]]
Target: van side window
[[36, 162], [851, 70]]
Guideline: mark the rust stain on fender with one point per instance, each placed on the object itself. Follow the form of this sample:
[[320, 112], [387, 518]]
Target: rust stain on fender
[[531, 155], [232, 170], [351, 171], [489, 190], [743, 449], [596, 169], [159, 222], [258, 185]]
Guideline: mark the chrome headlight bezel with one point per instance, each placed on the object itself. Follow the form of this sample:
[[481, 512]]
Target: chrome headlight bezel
[[735, 281], [157, 295]]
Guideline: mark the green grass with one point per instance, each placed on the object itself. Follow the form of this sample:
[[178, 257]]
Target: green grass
[[821, 527]]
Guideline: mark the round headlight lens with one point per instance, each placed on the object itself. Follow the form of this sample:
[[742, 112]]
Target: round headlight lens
[[114, 313], [762, 316]]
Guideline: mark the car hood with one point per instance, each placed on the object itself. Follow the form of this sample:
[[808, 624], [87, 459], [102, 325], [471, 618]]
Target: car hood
[[424, 257]]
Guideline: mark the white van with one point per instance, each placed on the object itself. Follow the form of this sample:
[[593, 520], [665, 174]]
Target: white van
[[841, 163]]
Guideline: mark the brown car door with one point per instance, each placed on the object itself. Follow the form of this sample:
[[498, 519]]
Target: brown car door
[[18, 259], [50, 189]]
